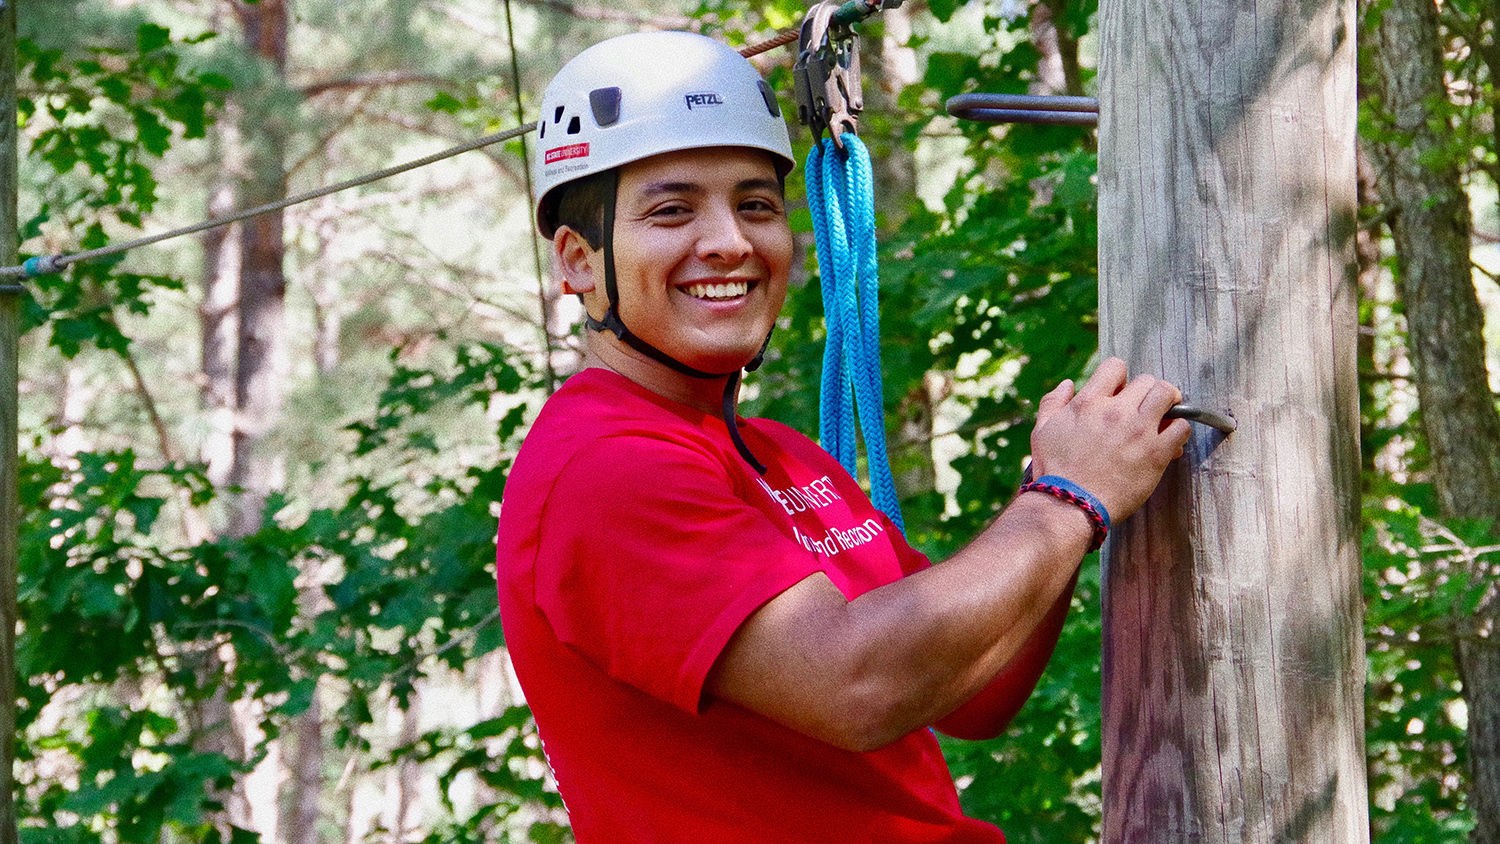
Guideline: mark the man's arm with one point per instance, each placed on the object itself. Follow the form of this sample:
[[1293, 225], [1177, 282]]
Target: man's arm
[[991, 709], [860, 674]]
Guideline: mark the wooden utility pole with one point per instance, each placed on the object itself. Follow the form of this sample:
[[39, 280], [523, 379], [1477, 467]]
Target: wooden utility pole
[[10, 329], [1233, 652]]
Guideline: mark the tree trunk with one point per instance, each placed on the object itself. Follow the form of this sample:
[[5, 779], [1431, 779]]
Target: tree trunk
[[1367, 253], [402, 784], [261, 355], [217, 728], [889, 66], [305, 765], [1422, 184], [213, 718], [1233, 651], [10, 378], [1058, 71], [262, 361], [327, 291], [217, 317]]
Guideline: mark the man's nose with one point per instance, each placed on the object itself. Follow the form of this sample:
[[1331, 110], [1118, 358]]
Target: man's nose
[[723, 237]]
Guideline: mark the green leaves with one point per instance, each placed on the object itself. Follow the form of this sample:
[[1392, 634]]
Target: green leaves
[[479, 370], [76, 114], [1422, 583], [446, 102], [150, 38], [106, 599], [500, 752]]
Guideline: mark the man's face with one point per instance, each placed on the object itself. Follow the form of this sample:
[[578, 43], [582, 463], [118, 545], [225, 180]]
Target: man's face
[[702, 252]]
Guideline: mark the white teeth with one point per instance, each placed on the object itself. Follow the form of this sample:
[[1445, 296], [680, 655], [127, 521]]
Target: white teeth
[[718, 291]]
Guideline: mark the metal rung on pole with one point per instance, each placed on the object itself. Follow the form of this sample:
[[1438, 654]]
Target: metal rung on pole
[[1021, 108]]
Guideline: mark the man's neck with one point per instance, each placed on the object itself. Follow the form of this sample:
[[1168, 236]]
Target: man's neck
[[605, 351]]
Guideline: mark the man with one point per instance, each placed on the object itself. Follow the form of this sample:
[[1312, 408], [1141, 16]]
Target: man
[[721, 638]]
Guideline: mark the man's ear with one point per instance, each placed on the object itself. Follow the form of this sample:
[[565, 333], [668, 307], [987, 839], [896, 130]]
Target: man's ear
[[575, 260]]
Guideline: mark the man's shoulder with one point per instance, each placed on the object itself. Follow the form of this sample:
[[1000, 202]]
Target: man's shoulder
[[790, 440], [604, 420], [598, 404]]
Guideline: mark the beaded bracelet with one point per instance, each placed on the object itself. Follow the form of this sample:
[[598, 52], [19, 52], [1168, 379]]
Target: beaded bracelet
[[1066, 490]]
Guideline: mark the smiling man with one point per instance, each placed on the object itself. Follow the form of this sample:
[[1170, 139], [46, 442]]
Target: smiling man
[[721, 638]]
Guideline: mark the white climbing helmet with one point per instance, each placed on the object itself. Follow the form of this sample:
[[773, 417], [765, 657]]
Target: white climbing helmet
[[646, 93]]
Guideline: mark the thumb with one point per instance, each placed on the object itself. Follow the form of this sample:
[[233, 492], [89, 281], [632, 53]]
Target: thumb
[[1054, 401]]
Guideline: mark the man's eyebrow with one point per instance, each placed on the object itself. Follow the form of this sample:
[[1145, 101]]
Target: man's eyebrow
[[659, 188], [759, 184]]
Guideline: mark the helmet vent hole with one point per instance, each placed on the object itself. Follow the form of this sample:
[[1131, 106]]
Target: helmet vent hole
[[557, 116], [573, 126], [541, 129]]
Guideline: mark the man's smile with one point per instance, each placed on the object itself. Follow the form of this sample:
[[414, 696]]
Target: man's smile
[[717, 291]]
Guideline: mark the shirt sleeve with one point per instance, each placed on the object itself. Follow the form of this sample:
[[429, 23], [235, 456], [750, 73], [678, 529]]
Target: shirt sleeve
[[649, 562], [912, 560]]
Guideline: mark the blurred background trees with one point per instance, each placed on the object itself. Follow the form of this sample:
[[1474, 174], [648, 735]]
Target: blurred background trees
[[260, 468]]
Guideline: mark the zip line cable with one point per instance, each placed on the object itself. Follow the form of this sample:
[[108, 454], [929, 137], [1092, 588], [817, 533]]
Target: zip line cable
[[49, 264], [785, 37]]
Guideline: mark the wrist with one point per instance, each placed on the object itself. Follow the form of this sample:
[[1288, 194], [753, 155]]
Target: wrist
[[1065, 490]]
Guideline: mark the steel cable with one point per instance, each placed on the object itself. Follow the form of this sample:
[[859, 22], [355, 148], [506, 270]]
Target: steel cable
[[49, 264]]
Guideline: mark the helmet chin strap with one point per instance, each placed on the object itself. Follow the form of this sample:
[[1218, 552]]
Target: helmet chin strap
[[616, 326]]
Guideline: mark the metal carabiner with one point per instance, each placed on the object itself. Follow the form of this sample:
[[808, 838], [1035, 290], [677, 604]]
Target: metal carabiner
[[810, 72], [827, 74]]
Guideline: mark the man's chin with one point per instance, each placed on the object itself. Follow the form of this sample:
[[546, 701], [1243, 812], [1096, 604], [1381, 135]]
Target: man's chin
[[731, 355], [724, 362]]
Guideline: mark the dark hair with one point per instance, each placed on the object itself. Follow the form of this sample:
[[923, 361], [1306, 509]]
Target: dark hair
[[579, 205]]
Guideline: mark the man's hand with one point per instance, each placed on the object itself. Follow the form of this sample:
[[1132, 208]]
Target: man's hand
[[1109, 437], [859, 674]]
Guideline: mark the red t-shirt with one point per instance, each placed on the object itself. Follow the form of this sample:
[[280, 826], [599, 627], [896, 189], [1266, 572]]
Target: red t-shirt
[[633, 541]]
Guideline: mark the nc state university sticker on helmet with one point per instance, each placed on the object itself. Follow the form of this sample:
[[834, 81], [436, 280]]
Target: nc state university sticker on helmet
[[564, 153], [571, 151]]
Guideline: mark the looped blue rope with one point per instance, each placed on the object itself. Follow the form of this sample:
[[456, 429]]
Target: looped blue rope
[[840, 194]]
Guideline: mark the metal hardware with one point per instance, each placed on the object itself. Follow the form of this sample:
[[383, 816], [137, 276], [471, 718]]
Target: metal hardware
[[827, 70], [855, 11], [1065, 111], [1211, 418], [1017, 108]]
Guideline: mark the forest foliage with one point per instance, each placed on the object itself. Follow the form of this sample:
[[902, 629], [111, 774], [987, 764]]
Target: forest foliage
[[367, 593]]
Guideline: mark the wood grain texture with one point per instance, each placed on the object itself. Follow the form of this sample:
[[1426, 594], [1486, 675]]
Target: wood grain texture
[[1233, 653], [10, 330]]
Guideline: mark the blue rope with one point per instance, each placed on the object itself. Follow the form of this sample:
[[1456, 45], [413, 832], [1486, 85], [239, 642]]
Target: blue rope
[[840, 193], [835, 399]]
